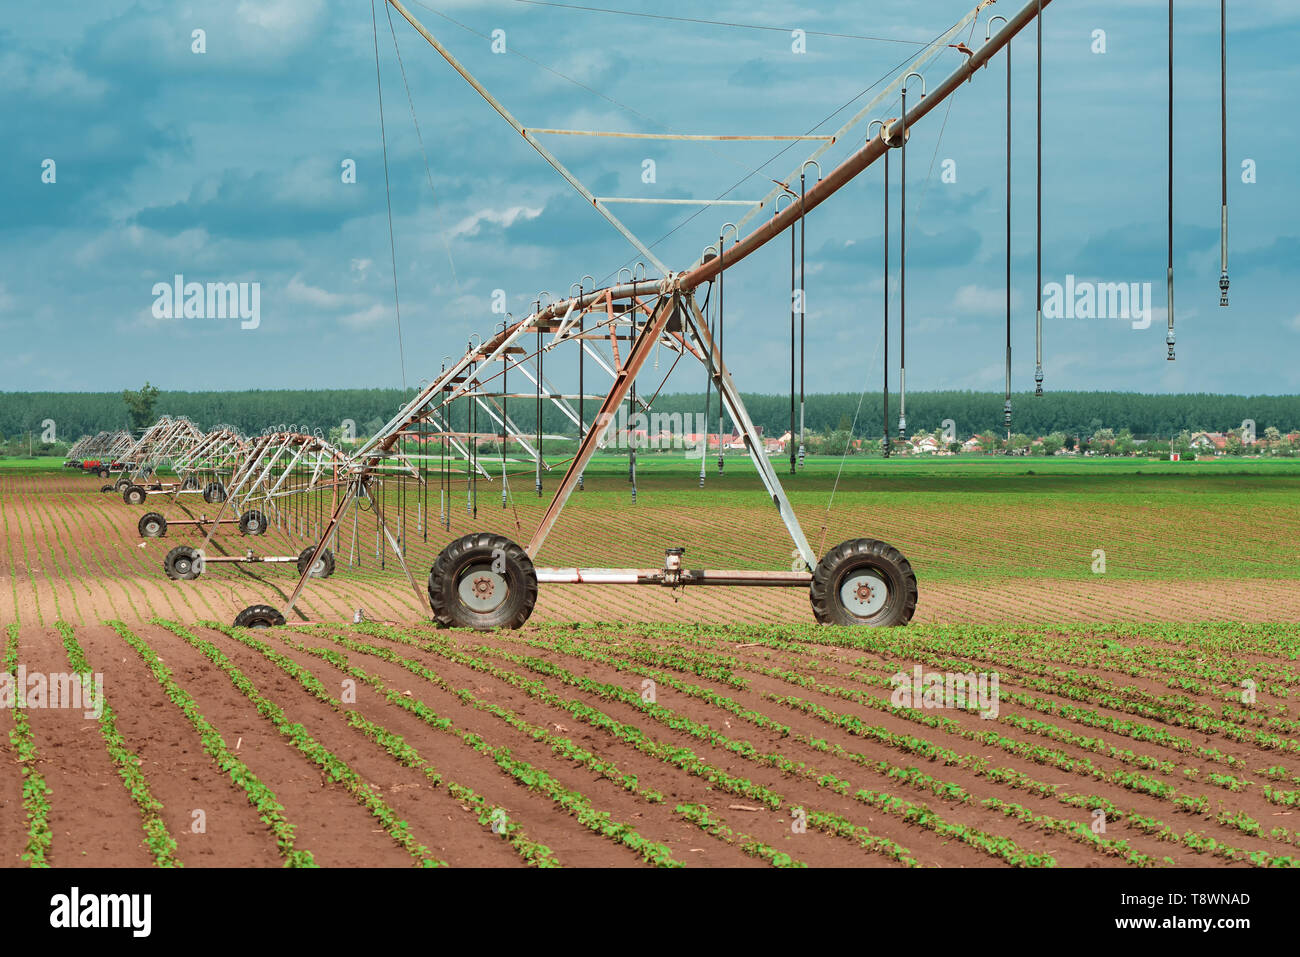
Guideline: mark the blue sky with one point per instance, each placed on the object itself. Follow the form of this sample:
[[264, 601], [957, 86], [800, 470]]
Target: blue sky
[[226, 166]]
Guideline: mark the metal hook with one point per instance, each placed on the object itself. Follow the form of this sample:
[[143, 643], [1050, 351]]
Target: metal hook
[[776, 207], [619, 278], [919, 77], [550, 300], [813, 163], [708, 252], [988, 30], [571, 285], [644, 273], [723, 232], [881, 134]]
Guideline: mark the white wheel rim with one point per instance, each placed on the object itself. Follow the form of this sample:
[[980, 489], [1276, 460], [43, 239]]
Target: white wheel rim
[[864, 593], [481, 589]]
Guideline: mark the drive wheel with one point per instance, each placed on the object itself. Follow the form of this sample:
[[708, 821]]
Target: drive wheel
[[190, 484], [482, 581], [323, 566], [182, 564], [214, 493], [107, 488], [152, 525], [863, 582], [259, 617], [103, 473], [253, 522], [134, 495], [122, 482]]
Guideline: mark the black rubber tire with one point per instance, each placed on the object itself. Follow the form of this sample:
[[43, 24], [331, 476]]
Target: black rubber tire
[[324, 565], [134, 495], [253, 522], [123, 482], [151, 525], [181, 563], [258, 617], [214, 493], [857, 555], [478, 551], [103, 473], [107, 488]]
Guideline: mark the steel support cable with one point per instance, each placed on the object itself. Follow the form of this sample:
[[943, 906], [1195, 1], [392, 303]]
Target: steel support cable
[[803, 304], [847, 443], [714, 23], [721, 361], [1169, 336], [594, 92], [885, 324], [902, 279], [774, 157], [792, 349], [388, 195], [1223, 151], [1038, 227], [631, 400], [437, 211]]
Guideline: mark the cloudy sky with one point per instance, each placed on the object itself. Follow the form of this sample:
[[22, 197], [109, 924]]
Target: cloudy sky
[[228, 166]]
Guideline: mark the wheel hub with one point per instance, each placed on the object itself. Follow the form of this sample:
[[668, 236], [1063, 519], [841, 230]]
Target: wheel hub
[[864, 593], [482, 589]]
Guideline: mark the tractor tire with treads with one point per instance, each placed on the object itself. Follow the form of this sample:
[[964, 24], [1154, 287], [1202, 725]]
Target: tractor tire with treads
[[134, 495], [214, 493], [863, 582], [324, 566], [151, 525], [253, 522], [259, 617], [482, 581], [182, 564]]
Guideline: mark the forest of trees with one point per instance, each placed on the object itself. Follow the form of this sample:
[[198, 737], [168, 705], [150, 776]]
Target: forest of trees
[[1070, 413]]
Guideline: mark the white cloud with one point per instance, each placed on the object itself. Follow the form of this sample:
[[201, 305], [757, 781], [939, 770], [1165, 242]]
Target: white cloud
[[364, 318], [299, 291], [984, 299], [469, 226]]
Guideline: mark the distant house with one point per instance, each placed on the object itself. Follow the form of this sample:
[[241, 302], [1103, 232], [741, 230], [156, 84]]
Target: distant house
[[1210, 442], [925, 444], [972, 445]]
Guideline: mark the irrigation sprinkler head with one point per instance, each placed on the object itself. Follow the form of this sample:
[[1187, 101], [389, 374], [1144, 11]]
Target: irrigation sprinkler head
[[1038, 380], [1169, 341], [1223, 288], [673, 566]]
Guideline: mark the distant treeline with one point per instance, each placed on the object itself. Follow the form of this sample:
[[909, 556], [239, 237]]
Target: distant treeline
[[1073, 413]]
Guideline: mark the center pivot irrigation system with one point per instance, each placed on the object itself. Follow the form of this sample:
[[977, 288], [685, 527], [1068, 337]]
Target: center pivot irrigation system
[[484, 580]]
